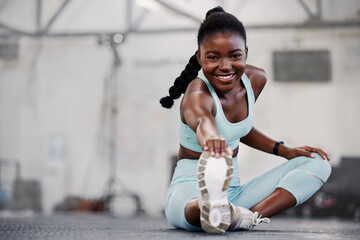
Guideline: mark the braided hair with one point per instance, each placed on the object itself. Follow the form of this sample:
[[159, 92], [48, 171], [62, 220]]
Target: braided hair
[[216, 21]]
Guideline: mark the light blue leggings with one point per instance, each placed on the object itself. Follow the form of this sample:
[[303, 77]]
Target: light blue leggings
[[301, 176]]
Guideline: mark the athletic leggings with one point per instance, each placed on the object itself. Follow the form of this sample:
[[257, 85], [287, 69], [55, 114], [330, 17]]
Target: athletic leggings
[[301, 176]]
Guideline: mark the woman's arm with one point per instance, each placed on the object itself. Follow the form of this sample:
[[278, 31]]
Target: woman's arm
[[197, 110], [260, 141]]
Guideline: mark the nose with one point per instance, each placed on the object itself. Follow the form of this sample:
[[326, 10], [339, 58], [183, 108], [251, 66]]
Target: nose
[[225, 64]]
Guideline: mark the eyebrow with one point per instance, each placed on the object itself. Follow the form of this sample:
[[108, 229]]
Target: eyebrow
[[232, 51]]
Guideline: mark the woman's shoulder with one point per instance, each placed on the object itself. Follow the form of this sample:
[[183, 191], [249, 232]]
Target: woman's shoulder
[[255, 74], [197, 94], [257, 77], [197, 86]]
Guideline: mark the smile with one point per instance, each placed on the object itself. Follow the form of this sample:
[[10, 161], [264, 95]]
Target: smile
[[225, 77]]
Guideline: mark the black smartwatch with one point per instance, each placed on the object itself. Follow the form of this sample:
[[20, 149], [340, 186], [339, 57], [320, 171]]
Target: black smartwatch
[[276, 147]]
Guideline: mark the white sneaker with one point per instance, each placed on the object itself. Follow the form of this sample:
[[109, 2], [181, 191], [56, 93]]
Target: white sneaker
[[214, 177], [244, 219]]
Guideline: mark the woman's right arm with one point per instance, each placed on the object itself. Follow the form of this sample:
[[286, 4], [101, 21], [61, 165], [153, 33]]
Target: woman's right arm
[[197, 112]]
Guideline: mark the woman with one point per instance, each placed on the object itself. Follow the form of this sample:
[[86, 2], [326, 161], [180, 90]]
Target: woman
[[215, 112]]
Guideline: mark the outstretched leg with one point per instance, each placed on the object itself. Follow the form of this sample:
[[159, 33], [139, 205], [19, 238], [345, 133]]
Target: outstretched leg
[[216, 213], [214, 177]]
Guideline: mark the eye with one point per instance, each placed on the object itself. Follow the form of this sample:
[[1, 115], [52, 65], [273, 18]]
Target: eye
[[236, 56], [212, 57]]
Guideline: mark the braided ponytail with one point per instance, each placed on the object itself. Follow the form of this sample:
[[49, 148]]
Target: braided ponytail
[[187, 75], [216, 20]]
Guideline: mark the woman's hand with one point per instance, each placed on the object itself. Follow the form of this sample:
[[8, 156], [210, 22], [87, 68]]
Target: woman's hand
[[306, 151], [217, 146]]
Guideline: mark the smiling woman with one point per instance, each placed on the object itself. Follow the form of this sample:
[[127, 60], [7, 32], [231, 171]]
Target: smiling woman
[[223, 60], [215, 113]]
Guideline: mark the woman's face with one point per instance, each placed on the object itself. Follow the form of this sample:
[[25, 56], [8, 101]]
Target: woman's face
[[223, 59]]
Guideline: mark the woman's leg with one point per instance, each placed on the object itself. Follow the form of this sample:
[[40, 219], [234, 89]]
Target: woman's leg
[[278, 201], [192, 212], [181, 206], [180, 196], [285, 186]]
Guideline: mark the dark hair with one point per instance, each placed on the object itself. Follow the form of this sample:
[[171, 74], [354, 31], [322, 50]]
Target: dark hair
[[216, 21]]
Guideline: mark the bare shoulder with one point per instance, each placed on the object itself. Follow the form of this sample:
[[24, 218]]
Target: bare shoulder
[[197, 96], [197, 89], [257, 78], [197, 86]]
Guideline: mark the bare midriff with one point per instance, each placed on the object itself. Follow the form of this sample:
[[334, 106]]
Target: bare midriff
[[185, 153]]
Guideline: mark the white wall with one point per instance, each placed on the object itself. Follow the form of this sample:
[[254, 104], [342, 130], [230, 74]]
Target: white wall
[[52, 98]]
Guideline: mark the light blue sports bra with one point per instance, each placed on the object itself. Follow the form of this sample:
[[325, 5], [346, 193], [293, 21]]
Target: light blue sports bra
[[231, 131]]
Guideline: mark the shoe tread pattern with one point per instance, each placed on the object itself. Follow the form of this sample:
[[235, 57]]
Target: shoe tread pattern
[[206, 204]]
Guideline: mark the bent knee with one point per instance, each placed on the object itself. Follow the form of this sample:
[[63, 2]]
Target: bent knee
[[319, 167]]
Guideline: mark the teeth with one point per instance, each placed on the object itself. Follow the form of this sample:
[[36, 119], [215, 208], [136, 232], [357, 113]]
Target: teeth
[[225, 77]]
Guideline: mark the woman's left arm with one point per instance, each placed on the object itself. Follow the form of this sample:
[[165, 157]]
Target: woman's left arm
[[260, 141]]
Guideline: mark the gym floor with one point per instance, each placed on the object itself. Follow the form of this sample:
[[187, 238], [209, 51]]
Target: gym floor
[[100, 226]]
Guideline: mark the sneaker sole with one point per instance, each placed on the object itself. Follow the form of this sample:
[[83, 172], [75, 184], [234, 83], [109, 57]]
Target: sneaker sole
[[215, 214]]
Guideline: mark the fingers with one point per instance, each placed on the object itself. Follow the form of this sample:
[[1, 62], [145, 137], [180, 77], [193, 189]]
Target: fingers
[[323, 154], [217, 146], [209, 145], [222, 146], [312, 150], [302, 151], [229, 151]]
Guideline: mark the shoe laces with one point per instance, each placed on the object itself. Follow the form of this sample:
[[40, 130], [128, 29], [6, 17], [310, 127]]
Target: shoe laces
[[260, 220], [249, 221]]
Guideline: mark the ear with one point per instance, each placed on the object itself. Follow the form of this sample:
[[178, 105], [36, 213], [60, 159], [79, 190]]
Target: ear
[[246, 51], [198, 56]]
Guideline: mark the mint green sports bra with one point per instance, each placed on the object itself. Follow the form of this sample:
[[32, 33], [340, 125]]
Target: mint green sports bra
[[231, 131]]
